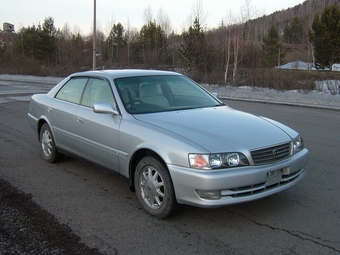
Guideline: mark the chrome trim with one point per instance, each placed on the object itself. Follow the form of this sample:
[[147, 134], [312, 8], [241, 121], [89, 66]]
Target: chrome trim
[[270, 154], [261, 187]]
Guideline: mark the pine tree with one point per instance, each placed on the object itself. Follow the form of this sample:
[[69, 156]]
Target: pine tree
[[294, 32], [47, 42], [193, 49], [115, 42], [153, 43], [38, 42], [325, 36], [272, 48]]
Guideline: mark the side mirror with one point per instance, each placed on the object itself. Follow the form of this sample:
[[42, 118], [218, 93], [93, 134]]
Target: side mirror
[[104, 107], [215, 94]]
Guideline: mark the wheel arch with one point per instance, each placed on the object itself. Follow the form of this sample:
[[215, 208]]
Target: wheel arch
[[136, 157], [40, 123]]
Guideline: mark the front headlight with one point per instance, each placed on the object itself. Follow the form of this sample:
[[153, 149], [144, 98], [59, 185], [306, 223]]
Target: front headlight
[[297, 144], [217, 160]]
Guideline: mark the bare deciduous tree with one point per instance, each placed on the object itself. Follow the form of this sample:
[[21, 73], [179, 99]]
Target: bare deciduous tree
[[248, 11], [236, 34], [147, 16], [197, 12], [228, 53], [164, 21]]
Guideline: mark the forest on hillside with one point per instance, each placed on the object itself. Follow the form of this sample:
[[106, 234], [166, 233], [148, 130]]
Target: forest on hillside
[[241, 50]]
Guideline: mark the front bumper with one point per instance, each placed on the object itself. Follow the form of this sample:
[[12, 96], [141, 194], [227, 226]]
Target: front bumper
[[236, 185]]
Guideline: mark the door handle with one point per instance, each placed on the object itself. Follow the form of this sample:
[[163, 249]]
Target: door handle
[[80, 120], [49, 109]]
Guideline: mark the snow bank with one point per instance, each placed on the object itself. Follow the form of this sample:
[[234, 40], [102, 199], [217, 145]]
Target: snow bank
[[302, 65]]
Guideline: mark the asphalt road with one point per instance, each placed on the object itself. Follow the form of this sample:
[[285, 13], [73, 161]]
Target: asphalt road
[[102, 211]]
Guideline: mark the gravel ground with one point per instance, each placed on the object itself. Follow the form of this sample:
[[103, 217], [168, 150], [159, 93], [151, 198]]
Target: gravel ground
[[25, 228]]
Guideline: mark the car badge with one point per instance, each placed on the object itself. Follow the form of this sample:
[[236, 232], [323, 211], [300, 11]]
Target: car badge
[[274, 153]]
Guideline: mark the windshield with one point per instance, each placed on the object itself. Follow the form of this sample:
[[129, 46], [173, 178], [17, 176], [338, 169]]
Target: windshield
[[161, 93]]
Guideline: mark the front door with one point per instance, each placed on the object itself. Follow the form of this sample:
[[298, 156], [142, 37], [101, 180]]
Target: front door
[[96, 135]]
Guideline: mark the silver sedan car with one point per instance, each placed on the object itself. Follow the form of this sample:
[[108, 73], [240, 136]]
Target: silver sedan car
[[173, 141]]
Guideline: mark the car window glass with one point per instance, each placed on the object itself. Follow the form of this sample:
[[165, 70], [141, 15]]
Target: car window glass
[[72, 90], [148, 94], [182, 88], [97, 90]]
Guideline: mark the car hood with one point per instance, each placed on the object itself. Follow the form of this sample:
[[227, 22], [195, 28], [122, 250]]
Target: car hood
[[220, 129]]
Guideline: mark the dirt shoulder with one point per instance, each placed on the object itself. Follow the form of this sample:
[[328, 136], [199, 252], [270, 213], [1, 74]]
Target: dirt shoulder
[[25, 228]]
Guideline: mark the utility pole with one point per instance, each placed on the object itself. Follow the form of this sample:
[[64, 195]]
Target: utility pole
[[94, 36]]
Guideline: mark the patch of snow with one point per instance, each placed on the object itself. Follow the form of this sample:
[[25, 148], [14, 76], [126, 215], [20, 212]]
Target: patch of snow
[[302, 65], [31, 78], [314, 98]]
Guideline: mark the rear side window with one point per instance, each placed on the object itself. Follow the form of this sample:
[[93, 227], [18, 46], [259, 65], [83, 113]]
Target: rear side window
[[72, 90]]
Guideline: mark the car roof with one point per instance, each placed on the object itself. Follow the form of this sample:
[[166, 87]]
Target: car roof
[[121, 73]]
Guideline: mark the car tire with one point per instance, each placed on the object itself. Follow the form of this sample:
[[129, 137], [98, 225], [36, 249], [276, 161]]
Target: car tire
[[49, 150], [154, 188]]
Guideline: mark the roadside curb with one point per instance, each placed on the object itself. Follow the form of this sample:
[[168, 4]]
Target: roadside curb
[[280, 103]]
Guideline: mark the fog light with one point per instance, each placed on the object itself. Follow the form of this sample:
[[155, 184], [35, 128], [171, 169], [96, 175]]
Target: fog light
[[209, 194]]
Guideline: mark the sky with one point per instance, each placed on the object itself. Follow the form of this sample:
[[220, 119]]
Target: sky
[[78, 14]]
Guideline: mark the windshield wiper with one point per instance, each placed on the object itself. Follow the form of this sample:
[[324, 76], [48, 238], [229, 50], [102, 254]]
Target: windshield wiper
[[221, 104], [185, 108]]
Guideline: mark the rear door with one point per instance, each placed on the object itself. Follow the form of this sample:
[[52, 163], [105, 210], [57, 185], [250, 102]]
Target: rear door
[[96, 134], [61, 110]]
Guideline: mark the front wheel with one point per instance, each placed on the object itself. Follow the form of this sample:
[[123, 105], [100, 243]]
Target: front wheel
[[154, 188], [49, 150]]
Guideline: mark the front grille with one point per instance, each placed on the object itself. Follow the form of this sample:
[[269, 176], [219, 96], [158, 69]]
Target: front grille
[[271, 154]]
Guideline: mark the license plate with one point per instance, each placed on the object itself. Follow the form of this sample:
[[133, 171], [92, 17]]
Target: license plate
[[274, 177]]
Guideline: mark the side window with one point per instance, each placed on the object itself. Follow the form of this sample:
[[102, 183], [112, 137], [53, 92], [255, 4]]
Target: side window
[[97, 90], [72, 90]]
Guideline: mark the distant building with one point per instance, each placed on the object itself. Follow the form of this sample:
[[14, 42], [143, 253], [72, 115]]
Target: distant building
[[8, 28], [7, 34]]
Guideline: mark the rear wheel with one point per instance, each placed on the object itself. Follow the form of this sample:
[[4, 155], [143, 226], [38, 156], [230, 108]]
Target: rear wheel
[[154, 188], [49, 150]]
